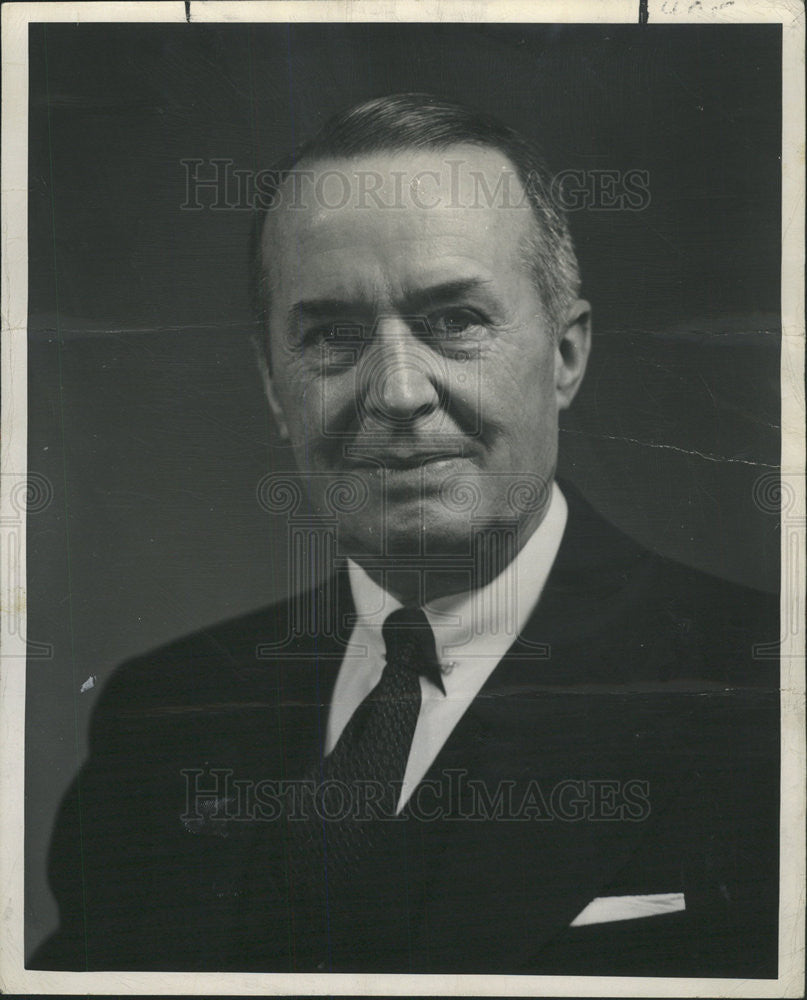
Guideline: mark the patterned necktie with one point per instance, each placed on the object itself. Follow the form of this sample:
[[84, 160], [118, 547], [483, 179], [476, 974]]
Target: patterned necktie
[[359, 782]]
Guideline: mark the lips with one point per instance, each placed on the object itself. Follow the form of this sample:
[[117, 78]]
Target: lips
[[403, 459]]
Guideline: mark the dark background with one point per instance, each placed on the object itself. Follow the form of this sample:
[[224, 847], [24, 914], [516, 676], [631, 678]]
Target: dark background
[[146, 409]]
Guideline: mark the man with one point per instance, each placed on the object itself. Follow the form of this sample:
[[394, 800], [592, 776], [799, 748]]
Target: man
[[501, 737]]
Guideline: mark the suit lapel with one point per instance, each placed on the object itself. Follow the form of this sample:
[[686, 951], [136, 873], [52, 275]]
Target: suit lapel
[[306, 667], [568, 766], [570, 738]]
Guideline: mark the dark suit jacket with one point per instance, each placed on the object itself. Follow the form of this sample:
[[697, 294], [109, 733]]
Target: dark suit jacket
[[649, 707]]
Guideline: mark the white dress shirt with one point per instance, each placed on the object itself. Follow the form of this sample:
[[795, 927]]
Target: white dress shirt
[[472, 632]]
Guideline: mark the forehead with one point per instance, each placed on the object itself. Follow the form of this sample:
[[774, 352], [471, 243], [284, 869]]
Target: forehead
[[387, 221]]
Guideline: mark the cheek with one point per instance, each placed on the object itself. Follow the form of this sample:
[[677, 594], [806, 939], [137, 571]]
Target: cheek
[[518, 389], [321, 414], [299, 391]]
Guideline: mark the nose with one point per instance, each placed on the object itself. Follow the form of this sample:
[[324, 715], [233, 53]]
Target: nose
[[400, 378]]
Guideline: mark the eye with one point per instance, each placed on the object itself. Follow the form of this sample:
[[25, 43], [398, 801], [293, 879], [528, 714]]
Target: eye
[[325, 331], [454, 323], [333, 332]]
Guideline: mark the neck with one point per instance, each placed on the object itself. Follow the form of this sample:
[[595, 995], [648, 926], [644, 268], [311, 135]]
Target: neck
[[423, 581]]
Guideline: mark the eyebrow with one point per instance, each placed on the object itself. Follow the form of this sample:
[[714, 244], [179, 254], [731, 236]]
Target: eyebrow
[[414, 301]]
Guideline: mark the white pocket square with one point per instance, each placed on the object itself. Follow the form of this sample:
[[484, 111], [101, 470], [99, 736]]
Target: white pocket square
[[606, 909]]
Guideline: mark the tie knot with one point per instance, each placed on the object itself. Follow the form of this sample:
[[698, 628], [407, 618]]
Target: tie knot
[[409, 642]]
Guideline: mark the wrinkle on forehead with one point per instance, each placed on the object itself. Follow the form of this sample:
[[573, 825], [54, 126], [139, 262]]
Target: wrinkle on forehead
[[378, 247]]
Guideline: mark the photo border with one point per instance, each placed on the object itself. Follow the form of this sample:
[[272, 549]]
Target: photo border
[[13, 464]]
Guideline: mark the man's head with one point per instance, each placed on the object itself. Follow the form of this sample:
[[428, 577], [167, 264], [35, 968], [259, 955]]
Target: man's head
[[422, 321]]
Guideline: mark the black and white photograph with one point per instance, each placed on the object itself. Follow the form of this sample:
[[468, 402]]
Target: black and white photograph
[[403, 512]]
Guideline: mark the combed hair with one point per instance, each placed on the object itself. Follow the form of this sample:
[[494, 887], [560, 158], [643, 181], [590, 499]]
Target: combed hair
[[401, 122]]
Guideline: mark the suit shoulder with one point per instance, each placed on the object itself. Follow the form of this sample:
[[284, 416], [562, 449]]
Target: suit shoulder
[[743, 612], [709, 591], [661, 616], [209, 667], [726, 631], [241, 664]]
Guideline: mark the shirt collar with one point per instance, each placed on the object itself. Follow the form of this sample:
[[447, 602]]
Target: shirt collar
[[475, 624]]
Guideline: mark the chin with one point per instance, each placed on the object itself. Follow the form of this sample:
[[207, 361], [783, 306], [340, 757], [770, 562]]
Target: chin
[[408, 537]]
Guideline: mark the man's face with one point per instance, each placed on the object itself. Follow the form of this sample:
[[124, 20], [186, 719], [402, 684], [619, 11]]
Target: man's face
[[410, 348]]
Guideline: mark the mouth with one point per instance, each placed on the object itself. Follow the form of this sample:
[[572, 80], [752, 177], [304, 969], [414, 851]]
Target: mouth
[[404, 460]]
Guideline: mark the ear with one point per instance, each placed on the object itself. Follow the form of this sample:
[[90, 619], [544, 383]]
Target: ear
[[270, 390], [571, 353]]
